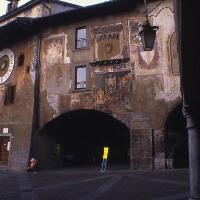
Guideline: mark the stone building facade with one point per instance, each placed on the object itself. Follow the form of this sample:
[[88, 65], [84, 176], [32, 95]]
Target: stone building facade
[[89, 58], [35, 8]]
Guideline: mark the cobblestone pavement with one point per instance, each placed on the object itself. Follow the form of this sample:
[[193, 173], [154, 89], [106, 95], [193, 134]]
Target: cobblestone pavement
[[91, 184]]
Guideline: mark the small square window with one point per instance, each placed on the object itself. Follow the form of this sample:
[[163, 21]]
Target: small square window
[[9, 95], [81, 38], [80, 77]]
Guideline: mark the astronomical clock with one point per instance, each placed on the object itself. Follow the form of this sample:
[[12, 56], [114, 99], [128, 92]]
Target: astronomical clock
[[6, 64]]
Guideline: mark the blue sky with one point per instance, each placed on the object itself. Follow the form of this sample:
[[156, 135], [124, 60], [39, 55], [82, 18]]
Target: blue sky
[[3, 3]]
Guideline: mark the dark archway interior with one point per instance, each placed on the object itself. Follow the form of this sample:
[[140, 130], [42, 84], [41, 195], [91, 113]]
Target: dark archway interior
[[177, 138], [79, 137]]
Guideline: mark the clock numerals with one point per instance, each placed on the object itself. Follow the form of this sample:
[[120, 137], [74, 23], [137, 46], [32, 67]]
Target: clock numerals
[[4, 78], [10, 56], [11, 62], [10, 69]]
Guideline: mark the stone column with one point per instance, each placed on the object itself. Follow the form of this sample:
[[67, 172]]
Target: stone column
[[141, 142], [159, 148], [141, 149], [194, 154]]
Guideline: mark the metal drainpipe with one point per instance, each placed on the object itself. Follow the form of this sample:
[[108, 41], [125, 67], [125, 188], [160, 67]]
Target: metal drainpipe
[[193, 132]]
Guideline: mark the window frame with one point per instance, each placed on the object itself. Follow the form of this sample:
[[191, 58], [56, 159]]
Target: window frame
[[10, 95], [21, 59], [76, 77], [76, 38]]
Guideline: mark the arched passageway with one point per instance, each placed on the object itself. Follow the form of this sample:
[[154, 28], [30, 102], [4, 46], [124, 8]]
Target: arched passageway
[[77, 138], [176, 140]]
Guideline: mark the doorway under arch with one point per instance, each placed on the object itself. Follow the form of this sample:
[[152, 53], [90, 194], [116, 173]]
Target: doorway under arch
[[176, 140], [77, 138]]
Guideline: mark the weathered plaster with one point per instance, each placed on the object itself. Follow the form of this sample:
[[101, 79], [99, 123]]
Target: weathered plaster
[[139, 92], [53, 101]]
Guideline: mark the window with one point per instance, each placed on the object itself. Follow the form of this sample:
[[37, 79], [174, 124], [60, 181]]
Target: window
[[20, 60], [9, 95], [81, 38], [80, 77], [174, 61]]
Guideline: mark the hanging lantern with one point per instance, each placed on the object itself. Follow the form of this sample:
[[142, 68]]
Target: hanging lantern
[[148, 35], [148, 32]]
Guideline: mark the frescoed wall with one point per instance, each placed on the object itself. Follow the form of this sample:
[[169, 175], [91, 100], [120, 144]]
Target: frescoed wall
[[134, 86]]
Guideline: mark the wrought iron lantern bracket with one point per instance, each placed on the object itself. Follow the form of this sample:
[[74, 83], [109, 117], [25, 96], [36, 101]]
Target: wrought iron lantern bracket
[[148, 33]]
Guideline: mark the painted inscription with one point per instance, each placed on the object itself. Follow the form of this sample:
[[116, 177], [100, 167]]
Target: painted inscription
[[108, 46], [114, 36]]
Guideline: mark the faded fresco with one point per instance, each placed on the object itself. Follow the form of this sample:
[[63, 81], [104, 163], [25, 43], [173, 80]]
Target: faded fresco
[[54, 50], [135, 26], [108, 46], [113, 88], [148, 59], [136, 87]]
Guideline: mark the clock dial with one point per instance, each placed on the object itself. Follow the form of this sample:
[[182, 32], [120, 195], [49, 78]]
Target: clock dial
[[6, 64]]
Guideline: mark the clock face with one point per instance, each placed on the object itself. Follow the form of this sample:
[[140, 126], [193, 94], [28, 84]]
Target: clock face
[[6, 64]]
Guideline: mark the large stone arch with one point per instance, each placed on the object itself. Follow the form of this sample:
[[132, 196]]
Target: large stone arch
[[77, 137], [171, 107], [158, 136]]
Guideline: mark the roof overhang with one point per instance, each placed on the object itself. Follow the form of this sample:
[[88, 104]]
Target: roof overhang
[[16, 30], [30, 4], [22, 27]]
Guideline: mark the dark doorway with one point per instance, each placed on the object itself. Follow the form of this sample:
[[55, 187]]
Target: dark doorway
[[78, 138], [176, 139], [4, 153]]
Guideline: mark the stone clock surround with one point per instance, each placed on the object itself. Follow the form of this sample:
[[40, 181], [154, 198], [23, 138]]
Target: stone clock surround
[[6, 56]]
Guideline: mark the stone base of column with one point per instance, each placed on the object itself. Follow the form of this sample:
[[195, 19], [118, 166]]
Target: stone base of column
[[141, 163], [159, 163]]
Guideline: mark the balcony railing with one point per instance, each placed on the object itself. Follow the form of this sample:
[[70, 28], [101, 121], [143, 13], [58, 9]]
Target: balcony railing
[[81, 43]]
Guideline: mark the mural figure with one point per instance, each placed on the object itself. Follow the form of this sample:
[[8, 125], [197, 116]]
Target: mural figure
[[100, 96], [54, 51], [124, 89], [115, 89], [135, 27], [110, 89]]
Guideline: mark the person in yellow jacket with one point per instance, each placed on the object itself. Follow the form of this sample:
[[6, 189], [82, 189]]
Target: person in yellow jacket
[[105, 158]]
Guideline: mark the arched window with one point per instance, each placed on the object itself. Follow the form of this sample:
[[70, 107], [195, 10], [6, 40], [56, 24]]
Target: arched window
[[174, 62], [20, 60]]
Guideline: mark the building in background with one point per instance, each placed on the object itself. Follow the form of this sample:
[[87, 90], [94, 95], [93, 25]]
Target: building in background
[[34, 9], [76, 81]]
